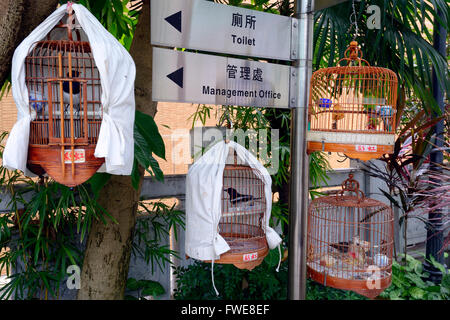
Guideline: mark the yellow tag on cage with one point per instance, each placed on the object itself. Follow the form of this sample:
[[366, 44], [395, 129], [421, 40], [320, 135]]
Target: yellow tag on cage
[[79, 156], [366, 148], [250, 256]]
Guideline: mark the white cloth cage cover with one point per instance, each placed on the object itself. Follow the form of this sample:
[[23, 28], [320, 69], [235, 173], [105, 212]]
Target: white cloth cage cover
[[203, 201], [117, 74]]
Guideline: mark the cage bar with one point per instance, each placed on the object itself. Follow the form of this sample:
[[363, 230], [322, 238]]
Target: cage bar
[[350, 241], [64, 88], [243, 216], [352, 108]]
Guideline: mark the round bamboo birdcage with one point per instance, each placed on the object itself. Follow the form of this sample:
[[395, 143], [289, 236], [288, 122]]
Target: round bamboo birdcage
[[243, 216], [64, 91], [350, 241], [352, 108]]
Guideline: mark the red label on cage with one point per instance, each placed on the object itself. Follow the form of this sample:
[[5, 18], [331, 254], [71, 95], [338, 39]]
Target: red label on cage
[[366, 148], [250, 256], [79, 156]]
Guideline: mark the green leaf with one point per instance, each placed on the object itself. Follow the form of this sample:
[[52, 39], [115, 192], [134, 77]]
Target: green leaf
[[417, 293], [147, 127], [433, 289], [135, 176], [159, 175], [438, 265], [395, 295], [132, 284], [446, 281], [152, 288], [98, 181], [391, 199], [143, 151]]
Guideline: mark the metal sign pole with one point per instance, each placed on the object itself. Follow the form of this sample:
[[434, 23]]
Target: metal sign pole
[[299, 159]]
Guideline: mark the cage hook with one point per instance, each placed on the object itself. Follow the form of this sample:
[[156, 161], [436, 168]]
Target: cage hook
[[351, 185]]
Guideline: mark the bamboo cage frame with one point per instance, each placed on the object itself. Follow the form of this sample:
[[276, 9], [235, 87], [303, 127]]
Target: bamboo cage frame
[[352, 108], [350, 241], [64, 87], [242, 223]]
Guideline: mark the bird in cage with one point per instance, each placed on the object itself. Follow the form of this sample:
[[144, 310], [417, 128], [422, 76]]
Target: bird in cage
[[238, 198], [385, 112], [341, 246], [76, 93], [337, 116], [356, 249]]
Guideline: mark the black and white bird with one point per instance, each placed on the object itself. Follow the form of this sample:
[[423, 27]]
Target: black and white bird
[[76, 93], [236, 197]]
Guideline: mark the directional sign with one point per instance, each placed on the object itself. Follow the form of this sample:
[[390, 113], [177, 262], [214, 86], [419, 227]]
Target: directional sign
[[207, 26], [199, 78]]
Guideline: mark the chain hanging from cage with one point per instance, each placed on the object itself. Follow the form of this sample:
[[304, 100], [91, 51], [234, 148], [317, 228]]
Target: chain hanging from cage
[[228, 116], [353, 21]]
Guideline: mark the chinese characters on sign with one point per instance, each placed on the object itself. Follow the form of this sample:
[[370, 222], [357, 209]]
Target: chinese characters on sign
[[245, 73], [200, 78], [231, 30], [250, 23]]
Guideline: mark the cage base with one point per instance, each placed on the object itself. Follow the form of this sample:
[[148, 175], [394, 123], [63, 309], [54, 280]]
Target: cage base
[[358, 286], [47, 159], [349, 150], [238, 259]]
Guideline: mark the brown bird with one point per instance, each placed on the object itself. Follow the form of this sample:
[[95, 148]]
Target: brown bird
[[337, 115], [344, 246], [341, 246]]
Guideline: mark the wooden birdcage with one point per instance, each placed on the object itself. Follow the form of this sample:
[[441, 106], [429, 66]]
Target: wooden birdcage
[[352, 108], [243, 216], [350, 241], [64, 90]]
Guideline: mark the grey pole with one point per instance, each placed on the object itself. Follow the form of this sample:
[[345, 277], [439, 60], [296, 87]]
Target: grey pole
[[298, 200], [435, 234]]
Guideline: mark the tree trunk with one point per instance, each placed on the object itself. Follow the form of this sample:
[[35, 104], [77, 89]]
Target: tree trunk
[[108, 250], [17, 19]]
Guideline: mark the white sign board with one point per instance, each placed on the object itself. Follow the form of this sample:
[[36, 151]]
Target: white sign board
[[208, 26], [198, 78]]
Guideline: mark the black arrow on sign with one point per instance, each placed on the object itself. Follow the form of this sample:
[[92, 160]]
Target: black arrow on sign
[[177, 77], [175, 20]]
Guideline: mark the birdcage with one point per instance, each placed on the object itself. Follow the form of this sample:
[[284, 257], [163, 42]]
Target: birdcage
[[243, 216], [352, 108], [64, 91], [228, 207], [350, 241]]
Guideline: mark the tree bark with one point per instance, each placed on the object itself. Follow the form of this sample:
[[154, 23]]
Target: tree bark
[[108, 252], [17, 19]]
